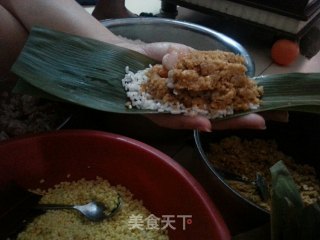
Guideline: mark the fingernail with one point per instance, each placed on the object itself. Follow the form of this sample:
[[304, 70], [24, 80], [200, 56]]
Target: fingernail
[[205, 129]]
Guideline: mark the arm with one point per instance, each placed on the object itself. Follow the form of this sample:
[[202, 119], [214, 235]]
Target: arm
[[61, 15]]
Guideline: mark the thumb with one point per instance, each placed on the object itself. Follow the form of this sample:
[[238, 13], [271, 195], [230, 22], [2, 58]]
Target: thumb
[[158, 50], [170, 59]]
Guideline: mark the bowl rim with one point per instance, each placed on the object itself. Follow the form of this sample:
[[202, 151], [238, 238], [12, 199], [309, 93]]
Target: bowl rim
[[235, 46]]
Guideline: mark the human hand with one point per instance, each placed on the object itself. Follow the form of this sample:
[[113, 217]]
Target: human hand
[[250, 121], [165, 52], [204, 124]]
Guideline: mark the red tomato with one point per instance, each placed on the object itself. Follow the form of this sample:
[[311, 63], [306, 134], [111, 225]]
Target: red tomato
[[284, 52]]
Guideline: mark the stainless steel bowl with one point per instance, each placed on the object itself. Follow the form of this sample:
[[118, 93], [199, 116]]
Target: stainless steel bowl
[[168, 30], [299, 138]]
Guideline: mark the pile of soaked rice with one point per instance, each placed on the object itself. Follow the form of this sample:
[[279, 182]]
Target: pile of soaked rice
[[66, 224], [208, 83]]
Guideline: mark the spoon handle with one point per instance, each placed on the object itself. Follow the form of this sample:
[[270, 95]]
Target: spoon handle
[[53, 206]]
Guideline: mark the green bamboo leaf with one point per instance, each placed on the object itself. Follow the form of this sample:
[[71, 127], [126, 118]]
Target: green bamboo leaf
[[78, 70], [290, 91], [89, 72], [286, 204], [290, 219]]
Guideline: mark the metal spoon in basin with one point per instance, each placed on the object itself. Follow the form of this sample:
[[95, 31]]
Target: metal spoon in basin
[[94, 211]]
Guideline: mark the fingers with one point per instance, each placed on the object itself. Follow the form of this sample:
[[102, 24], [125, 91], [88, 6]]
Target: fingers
[[181, 122], [251, 121]]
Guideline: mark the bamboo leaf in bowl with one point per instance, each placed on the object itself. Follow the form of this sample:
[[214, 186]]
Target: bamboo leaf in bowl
[[89, 72], [290, 217]]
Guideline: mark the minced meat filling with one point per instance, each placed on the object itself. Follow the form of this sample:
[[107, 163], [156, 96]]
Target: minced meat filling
[[209, 80]]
